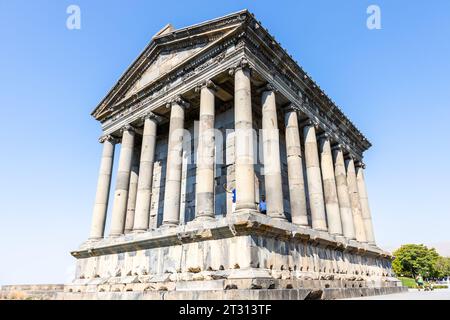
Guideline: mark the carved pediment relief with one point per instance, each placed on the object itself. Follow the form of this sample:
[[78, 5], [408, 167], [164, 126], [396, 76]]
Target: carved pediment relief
[[164, 63]]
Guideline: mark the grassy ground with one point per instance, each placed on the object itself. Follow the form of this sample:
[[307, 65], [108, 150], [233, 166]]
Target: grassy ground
[[408, 282], [411, 283]]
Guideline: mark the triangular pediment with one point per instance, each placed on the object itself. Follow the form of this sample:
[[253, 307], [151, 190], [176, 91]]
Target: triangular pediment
[[168, 50], [163, 64]]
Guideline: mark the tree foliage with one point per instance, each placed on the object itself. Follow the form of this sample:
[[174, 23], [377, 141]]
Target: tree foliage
[[416, 259], [442, 267]]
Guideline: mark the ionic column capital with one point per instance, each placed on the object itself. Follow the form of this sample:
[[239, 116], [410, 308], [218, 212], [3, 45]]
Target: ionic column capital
[[180, 101], [360, 164], [291, 107], [351, 156], [337, 147], [325, 136], [243, 64], [207, 84], [269, 87], [128, 128], [310, 123], [107, 137], [151, 116]]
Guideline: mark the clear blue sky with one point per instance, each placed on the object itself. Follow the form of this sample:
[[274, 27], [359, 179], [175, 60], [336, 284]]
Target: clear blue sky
[[393, 83]]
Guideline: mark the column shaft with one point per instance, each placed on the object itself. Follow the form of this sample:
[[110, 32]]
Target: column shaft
[[345, 207], [365, 209], [144, 192], [329, 188], [360, 233], [204, 192], [103, 188], [244, 157], [297, 194], [132, 191], [172, 194], [314, 178], [122, 183], [271, 152]]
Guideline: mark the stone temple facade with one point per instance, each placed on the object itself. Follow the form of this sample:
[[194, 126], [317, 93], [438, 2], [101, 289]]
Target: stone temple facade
[[204, 110]]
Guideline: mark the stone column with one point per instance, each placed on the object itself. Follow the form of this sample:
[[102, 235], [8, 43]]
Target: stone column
[[144, 192], [314, 178], [329, 187], [364, 200], [132, 191], [172, 194], [103, 187], [122, 182], [271, 152], [297, 194], [345, 207], [244, 157], [204, 189], [360, 233]]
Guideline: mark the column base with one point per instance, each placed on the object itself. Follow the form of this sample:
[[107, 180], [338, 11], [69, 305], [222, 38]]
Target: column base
[[319, 225], [340, 237], [167, 225], [300, 221], [337, 234], [277, 216], [115, 235], [205, 218], [246, 206], [94, 239], [135, 231], [247, 211]]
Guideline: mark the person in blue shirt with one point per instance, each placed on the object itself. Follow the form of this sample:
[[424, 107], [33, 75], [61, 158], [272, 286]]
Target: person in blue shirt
[[233, 197], [262, 205]]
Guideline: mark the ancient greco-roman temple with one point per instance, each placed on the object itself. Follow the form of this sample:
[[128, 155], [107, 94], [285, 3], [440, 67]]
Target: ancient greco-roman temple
[[211, 122]]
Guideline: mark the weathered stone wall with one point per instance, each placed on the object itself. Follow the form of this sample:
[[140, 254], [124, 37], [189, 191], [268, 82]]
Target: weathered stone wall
[[252, 245], [278, 258]]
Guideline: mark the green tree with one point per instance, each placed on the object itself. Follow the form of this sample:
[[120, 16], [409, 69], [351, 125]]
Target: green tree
[[442, 267], [414, 259]]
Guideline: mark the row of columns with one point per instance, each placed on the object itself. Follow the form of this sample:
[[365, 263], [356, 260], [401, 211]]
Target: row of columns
[[336, 189]]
